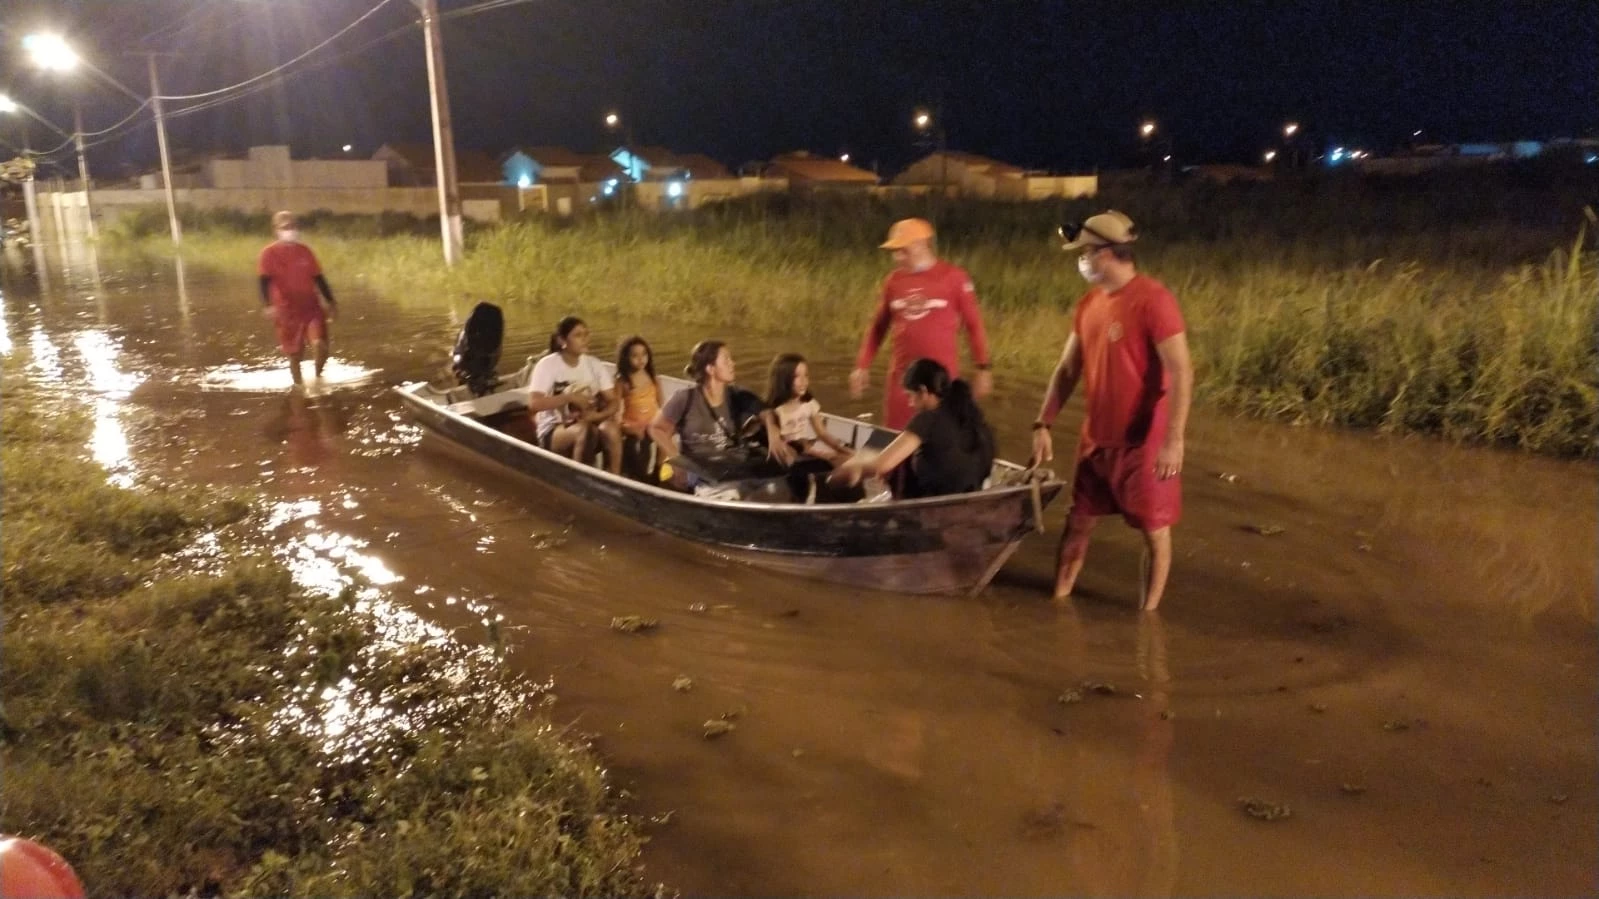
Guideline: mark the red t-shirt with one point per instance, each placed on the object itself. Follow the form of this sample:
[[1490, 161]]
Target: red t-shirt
[[1124, 382], [293, 269], [925, 312]]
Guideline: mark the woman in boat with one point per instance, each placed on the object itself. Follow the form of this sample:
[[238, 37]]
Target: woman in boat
[[573, 398], [946, 448], [640, 393], [709, 420]]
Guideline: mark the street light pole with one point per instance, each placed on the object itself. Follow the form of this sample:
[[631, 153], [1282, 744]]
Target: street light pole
[[443, 137], [166, 158], [83, 168]]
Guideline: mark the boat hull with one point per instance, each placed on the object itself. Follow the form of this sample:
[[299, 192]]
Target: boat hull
[[937, 545]]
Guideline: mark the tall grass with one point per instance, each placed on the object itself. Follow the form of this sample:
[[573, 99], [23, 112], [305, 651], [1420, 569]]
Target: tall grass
[[170, 732], [1462, 308]]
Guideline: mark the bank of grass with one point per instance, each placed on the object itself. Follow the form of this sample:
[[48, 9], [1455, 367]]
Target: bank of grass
[[1461, 309], [173, 732]]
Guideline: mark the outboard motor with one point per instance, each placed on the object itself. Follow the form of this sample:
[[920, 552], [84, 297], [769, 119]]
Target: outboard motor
[[477, 349]]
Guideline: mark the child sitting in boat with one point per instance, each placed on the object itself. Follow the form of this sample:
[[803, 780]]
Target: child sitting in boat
[[573, 398], [946, 448], [797, 437], [640, 393]]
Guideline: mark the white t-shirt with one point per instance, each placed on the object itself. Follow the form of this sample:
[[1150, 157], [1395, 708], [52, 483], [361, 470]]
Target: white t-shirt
[[794, 420], [553, 377]]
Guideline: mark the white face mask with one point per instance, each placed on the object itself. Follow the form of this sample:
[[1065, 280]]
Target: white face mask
[[289, 235], [1086, 269]]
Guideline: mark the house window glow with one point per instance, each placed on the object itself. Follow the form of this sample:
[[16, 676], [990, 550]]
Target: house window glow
[[674, 189]]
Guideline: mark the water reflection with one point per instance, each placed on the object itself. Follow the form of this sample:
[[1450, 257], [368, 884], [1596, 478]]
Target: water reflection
[[307, 426], [108, 444], [274, 376]]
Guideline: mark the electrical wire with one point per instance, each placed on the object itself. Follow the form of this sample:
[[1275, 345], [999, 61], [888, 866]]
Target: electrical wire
[[125, 119], [270, 72]]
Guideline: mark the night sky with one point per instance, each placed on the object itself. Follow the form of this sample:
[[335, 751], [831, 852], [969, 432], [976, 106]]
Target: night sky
[[1045, 84]]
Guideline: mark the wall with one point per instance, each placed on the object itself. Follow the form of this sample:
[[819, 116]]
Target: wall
[[271, 167], [1039, 187], [654, 196], [480, 204]]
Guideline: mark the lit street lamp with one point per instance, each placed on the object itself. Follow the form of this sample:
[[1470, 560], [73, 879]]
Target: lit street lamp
[[1290, 129], [1270, 155], [843, 157], [1147, 129], [50, 52]]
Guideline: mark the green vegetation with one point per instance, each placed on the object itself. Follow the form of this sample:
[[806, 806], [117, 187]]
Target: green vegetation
[[1458, 306], [171, 731]]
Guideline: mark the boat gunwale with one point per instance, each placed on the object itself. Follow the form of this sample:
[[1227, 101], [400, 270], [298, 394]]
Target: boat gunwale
[[410, 393]]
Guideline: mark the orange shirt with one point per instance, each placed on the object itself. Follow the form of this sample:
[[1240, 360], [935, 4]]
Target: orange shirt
[[293, 269], [1124, 382], [639, 404]]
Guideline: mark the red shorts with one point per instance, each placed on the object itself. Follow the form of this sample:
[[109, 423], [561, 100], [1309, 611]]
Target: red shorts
[[295, 327], [1122, 479]]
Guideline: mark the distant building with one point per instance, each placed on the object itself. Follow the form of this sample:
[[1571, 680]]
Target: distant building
[[412, 165], [806, 172], [970, 175], [271, 167]]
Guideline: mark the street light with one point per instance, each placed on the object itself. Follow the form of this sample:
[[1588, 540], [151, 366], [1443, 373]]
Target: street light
[[7, 104], [1270, 155], [347, 147], [1147, 129], [843, 157], [50, 52], [1290, 129], [612, 120]]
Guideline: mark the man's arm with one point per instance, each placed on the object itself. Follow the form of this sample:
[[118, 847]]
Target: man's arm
[[266, 290], [1173, 352], [876, 330], [976, 336], [322, 285], [1061, 385]]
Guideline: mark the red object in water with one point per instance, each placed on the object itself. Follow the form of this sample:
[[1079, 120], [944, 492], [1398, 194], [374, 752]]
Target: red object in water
[[31, 871]]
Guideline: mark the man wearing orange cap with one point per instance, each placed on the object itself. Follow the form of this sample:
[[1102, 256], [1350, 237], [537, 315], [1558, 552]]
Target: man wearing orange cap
[[925, 302], [290, 280], [1129, 349]]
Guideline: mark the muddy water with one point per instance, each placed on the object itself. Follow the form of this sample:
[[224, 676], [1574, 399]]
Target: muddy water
[[1408, 665]]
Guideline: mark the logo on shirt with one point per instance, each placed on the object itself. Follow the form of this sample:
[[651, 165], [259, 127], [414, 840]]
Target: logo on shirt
[[1114, 332], [915, 305]]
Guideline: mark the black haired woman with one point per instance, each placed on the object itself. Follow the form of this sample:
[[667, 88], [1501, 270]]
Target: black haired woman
[[708, 420], [573, 398], [947, 447]]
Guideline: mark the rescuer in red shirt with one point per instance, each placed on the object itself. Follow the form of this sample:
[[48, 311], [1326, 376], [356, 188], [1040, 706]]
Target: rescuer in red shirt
[[925, 303], [290, 280], [1129, 349]]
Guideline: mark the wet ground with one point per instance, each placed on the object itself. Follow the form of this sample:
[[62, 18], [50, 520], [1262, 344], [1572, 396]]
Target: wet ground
[[1391, 640]]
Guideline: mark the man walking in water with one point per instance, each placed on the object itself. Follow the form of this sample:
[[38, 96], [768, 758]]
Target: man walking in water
[[1129, 349], [925, 302], [290, 280]]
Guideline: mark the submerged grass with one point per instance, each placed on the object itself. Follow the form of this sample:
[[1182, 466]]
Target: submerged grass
[[172, 732], [1461, 309]]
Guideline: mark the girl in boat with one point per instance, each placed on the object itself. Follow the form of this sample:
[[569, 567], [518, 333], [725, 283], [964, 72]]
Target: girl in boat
[[796, 434], [573, 398], [946, 448], [640, 393]]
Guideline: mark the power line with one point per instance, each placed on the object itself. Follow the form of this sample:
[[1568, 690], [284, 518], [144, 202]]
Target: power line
[[125, 120], [270, 72]]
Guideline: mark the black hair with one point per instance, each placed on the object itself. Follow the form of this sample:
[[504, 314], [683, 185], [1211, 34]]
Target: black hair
[[954, 395], [703, 357], [624, 363], [563, 328], [780, 380]]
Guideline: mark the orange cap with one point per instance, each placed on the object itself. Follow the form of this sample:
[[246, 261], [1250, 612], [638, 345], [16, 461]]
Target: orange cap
[[906, 232]]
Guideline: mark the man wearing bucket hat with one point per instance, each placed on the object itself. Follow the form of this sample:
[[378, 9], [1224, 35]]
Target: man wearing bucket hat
[[1129, 349], [290, 280], [924, 304]]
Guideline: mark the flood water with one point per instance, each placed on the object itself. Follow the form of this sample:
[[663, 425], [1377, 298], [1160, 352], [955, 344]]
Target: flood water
[[1409, 665]]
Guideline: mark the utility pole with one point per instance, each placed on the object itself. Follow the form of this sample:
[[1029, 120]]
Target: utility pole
[[83, 168], [443, 138], [30, 195], [166, 158]]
